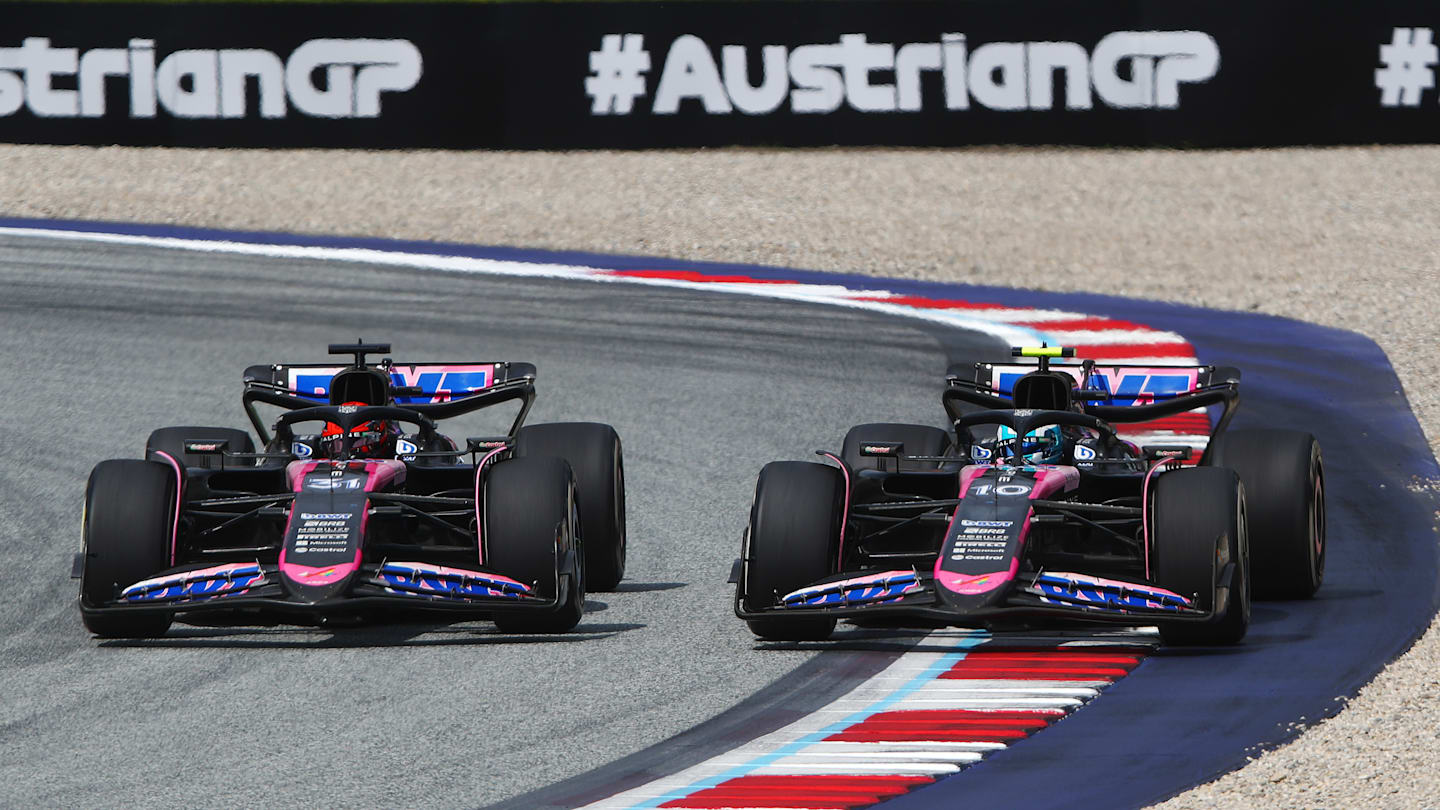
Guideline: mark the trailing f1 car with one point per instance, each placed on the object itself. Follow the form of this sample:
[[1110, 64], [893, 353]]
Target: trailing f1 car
[[1034, 510], [360, 517]]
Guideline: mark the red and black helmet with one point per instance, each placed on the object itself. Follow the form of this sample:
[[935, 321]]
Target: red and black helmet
[[361, 386], [374, 439]]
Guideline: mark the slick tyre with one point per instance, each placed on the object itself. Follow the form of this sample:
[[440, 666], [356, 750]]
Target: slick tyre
[[127, 526], [1285, 492], [530, 516], [172, 440], [919, 440], [594, 453], [1197, 533], [793, 540]]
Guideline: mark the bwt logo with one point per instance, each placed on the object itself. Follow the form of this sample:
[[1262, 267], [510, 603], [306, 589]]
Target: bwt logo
[[1125, 70], [1135, 386], [209, 83], [438, 386]]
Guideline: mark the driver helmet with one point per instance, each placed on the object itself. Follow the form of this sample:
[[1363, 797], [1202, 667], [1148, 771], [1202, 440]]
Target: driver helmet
[[361, 386], [1043, 445], [375, 439]]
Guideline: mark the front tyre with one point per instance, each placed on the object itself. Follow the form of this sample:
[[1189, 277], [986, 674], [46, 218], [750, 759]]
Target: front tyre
[[530, 517], [594, 453], [793, 540], [1285, 491], [1198, 531], [127, 531]]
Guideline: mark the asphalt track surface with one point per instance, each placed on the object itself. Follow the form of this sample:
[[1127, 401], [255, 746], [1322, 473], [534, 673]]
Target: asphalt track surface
[[705, 389], [100, 345]]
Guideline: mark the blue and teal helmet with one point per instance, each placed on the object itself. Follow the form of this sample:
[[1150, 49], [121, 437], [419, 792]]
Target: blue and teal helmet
[[1041, 446]]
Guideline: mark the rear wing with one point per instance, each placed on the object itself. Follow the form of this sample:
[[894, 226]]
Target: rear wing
[[1148, 399], [436, 382], [438, 390], [1110, 384]]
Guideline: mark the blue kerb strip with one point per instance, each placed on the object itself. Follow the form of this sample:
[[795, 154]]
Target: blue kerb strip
[[930, 674]]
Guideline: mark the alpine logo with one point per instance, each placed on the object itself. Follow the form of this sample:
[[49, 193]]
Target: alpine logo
[[200, 83]]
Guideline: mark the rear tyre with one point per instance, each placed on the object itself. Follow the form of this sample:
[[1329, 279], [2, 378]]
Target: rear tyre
[[919, 440], [1198, 528], [598, 464], [172, 440], [129, 518], [793, 540], [1285, 491], [530, 515]]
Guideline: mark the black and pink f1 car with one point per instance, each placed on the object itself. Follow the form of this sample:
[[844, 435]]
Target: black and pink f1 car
[[1032, 510], [370, 513]]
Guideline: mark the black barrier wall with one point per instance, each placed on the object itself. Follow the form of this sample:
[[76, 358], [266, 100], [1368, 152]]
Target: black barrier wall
[[681, 74]]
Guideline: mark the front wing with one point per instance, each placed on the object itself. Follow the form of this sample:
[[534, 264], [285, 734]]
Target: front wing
[[914, 595], [257, 587]]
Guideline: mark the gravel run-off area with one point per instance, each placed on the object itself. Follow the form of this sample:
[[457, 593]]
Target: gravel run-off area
[[1345, 237]]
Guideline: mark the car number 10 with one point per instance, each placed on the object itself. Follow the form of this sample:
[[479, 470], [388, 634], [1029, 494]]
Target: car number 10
[[1003, 489]]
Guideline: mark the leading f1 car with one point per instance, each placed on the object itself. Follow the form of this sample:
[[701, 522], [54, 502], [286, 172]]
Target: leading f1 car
[[358, 507], [1034, 510]]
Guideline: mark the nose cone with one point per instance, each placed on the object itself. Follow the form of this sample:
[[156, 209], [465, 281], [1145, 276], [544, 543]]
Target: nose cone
[[985, 541], [324, 539]]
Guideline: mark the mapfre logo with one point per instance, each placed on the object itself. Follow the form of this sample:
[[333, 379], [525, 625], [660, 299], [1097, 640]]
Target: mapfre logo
[[1125, 70], [199, 83]]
